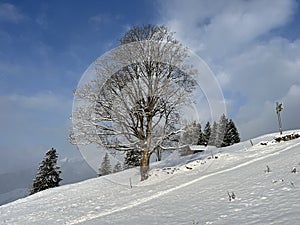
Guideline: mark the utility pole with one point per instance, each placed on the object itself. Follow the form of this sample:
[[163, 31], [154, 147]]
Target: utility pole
[[279, 107]]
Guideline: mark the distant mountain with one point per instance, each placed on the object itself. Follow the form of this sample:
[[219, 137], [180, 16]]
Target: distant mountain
[[17, 180], [13, 195]]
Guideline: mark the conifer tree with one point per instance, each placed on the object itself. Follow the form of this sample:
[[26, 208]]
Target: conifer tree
[[132, 159], [235, 133], [227, 140], [105, 168], [201, 139], [222, 126], [232, 135], [48, 173], [206, 133], [117, 167]]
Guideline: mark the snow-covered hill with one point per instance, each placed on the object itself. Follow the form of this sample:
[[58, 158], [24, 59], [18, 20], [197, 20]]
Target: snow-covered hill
[[192, 191]]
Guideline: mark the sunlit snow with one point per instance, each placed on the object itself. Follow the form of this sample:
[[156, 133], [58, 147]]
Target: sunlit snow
[[180, 190]]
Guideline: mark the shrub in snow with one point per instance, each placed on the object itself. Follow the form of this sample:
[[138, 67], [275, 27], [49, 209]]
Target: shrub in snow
[[231, 196], [268, 170], [287, 137]]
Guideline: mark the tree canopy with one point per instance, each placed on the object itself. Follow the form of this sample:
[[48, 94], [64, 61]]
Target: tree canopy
[[134, 102]]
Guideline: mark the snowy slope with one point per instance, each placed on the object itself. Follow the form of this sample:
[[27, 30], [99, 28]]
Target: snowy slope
[[188, 193]]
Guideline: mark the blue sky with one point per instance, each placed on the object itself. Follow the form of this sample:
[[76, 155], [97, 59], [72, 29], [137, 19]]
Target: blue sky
[[45, 46]]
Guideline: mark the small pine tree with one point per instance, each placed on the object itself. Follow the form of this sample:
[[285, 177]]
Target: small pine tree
[[105, 168], [232, 135], [227, 140], [48, 173], [132, 159], [117, 167], [206, 133], [201, 139]]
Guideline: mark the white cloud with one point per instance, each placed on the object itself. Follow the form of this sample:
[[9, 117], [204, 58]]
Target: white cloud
[[32, 124], [265, 119], [255, 69], [9, 13], [263, 74], [265, 70], [217, 28], [40, 102]]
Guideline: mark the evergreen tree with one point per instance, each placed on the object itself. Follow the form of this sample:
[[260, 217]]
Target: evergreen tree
[[235, 133], [48, 173], [227, 137], [132, 159], [201, 139], [232, 135], [221, 131], [213, 135], [206, 133], [117, 167], [105, 168]]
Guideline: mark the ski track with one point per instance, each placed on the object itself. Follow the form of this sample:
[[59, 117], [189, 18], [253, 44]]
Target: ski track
[[144, 200]]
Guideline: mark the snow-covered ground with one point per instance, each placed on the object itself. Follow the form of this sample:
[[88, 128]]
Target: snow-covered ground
[[180, 190]]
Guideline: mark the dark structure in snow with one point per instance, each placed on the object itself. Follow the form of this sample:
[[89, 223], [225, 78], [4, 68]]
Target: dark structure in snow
[[193, 149], [48, 173]]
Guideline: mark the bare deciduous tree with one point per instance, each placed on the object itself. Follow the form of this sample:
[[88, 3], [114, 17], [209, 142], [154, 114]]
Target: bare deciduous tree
[[134, 101]]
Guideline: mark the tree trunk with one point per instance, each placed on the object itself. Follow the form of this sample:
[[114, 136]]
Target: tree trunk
[[144, 164]]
